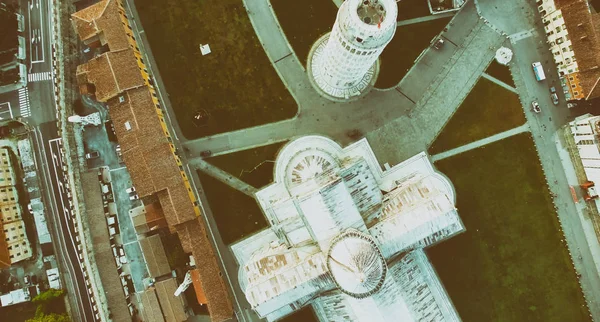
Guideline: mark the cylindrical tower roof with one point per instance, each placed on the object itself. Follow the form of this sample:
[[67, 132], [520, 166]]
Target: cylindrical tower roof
[[343, 63]]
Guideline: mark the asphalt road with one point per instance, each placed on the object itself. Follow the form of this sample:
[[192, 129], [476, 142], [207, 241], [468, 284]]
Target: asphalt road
[[35, 105]]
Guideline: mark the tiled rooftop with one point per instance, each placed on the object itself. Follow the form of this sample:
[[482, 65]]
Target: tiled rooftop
[[195, 240], [101, 22], [110, 73], [583, 31]]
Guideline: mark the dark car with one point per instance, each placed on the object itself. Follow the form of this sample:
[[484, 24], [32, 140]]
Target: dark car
[[92, 155], [439, 43], [206, 153]]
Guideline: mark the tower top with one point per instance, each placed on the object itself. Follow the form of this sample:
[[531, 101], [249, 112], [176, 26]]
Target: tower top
[[371, 12]]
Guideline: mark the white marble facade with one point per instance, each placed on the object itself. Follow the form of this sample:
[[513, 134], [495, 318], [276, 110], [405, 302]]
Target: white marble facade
[[347, 237]]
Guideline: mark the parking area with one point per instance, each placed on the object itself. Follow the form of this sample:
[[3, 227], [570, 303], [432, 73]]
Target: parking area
[[101, 150]]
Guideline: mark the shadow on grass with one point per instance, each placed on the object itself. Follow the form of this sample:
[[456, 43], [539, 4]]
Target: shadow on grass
[[304, 22], [236, 214], [305, 314], [489, 109], [408, 43], [500, 72], [235, 84], [510, 264]]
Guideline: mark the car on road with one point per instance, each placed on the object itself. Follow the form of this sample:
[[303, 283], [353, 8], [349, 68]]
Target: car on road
[[438, 43], [554, 95], [206, 153], [536, 107], [130, 190], [134, 197], [92, 155]]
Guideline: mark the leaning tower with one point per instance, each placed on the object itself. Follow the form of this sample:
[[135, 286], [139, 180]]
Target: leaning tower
[[343, 64]]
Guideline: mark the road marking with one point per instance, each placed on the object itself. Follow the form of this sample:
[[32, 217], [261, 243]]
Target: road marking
[[38, 77], [24, 108], [2, 111], [522, 35]]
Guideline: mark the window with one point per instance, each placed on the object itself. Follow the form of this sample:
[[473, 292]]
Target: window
[[564, 50], [575, 93], [573, 86], [558, 29]]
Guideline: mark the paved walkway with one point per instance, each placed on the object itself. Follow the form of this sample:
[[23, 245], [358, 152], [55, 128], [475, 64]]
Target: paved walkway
[[426, 18], [499, 82], [437, 75], [223, 176], [480, 143]]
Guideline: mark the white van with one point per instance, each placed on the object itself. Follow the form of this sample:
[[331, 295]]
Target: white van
[[538, 70]]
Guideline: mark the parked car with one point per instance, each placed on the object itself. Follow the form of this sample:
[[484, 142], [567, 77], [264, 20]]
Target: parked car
[[206, 154], [134, 197], [34, 280], [130, 190], [26, 279], [438, 43], [536, 107], [92, 155], [118, 149], [554, 95]]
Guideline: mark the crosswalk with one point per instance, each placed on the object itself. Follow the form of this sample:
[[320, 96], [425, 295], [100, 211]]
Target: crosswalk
[[24, 102], [38, 77]]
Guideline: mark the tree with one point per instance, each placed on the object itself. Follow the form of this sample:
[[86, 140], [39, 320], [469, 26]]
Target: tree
[[48, 296], [42, 317]]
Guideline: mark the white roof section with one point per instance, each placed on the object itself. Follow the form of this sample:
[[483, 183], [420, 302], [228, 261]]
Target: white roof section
[[15, 297], [338, 219], [585, 130]]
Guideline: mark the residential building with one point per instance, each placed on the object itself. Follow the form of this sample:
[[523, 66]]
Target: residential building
[[14, 244], [120, 78], [573, 34]]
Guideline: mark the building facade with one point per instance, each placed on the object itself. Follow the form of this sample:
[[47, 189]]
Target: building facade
[[572, 32], [14, 244], [344, 63], [345, 235]]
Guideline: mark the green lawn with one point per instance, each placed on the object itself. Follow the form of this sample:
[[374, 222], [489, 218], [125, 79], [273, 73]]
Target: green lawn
[[510, 264], [489, 109], [408, 43], [235, 84], [238, 215], [409, 9], [306, 314], [500, 72], [304, 22]]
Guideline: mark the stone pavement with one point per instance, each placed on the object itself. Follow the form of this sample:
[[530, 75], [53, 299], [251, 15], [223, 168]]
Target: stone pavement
[[437, 75], [500, 83], [426, 18], [480, 143], [224, 177]]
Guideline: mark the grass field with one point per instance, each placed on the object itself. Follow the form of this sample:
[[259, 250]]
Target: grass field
[[409, 9], [510, 264], [304, 22], [408, 43], [235, 84], [236, 214], [489, 109], [305, 314], [500, 72]]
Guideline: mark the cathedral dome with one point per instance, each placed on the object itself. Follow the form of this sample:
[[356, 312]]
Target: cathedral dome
[[356, 264]]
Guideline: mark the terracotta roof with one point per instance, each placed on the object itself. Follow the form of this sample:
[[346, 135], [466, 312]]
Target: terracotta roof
[[110, 73], [171, 305], [195, 240], [154, 254], [101, 22], [4, 253], [149, 309], [147, 154], [103, 255], [200, 296], [582, 27]]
